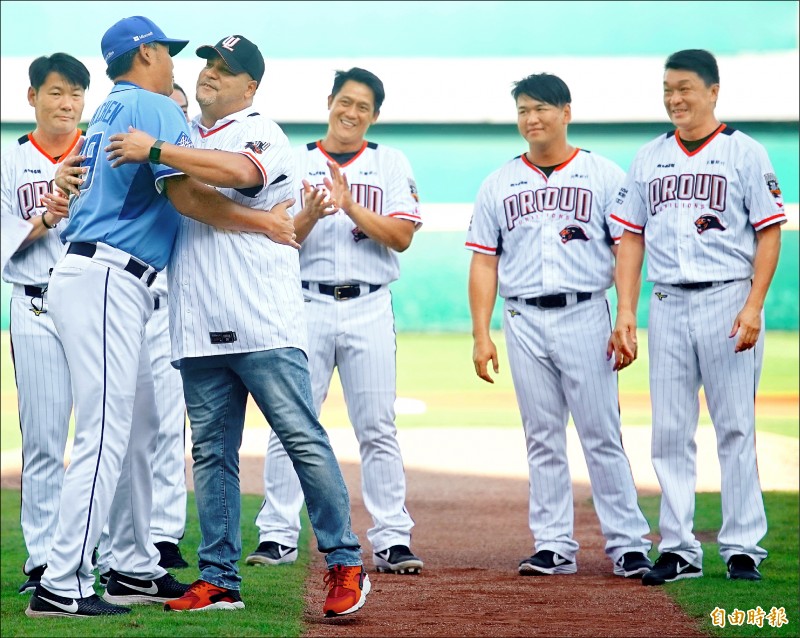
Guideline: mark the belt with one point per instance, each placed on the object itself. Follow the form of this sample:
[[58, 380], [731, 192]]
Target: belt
[[698, 285], [560, 300], [135, 267], [35, 291], [340, 293]]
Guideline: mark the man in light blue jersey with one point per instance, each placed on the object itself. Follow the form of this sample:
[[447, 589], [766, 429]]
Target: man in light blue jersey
[[121, 230]]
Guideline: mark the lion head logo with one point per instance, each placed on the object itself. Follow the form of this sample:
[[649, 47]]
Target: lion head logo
[[708, 222], [568, 233]]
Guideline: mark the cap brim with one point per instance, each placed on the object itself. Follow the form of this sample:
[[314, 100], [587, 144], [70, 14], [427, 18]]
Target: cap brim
[[175, 46], [207, 51]]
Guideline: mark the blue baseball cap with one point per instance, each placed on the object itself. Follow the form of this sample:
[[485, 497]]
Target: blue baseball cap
[[129, 33]]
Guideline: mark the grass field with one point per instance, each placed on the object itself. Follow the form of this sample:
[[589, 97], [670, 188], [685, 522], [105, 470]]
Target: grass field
[[437, 370]]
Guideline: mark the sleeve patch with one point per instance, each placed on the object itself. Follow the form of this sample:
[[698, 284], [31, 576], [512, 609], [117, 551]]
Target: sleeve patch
[[184, 140]]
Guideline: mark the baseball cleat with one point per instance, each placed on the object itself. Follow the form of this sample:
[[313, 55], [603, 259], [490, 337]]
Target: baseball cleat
[[397, 559], [670, 567], [272, 553], [203, 596], [347, 590], [34, 577], [170, 556], [546, 562], [742, 567], [632, 565], [45, 603], [132, 591]]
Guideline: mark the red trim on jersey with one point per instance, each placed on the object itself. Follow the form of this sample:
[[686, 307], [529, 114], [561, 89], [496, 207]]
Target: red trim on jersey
[[412, 215], [773, 219], [471, 245], [78, 134], [627, 224], [719, 130], [530, 164], [213, 130], [255, 161], [355, 157]]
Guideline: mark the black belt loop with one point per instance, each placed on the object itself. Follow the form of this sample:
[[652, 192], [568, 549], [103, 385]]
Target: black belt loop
[[134, 267], [553, 301], [699, 285], [35, 291], [340, 293], [156, 303]]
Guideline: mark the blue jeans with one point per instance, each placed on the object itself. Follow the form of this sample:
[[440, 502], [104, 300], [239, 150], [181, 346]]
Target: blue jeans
[[216, 390]]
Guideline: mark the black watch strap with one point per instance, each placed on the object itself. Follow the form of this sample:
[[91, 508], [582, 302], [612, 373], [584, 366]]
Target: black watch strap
[[155, 151]]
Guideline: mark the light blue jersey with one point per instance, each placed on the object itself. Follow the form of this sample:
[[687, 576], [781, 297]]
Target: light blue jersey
[[125, 207]]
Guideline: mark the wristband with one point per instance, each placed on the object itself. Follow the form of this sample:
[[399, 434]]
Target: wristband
[[155, 152], [46, 225]]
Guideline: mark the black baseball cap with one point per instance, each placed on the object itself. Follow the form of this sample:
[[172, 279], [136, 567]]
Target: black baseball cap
[[241, 55]]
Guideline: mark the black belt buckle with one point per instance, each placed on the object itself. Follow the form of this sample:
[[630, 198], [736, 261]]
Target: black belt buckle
[[550, 301], [346, 292]]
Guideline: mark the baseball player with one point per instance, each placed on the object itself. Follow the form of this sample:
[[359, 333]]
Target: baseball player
[[234, 303], [168, 517], [347, 261], [57, 88], [540, 231], [120, 233], [703, 200]]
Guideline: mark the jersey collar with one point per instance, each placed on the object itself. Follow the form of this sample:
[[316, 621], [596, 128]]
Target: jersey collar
[[222, 123]]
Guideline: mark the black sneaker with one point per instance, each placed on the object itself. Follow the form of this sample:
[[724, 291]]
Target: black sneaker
[[170, 556], [272, 553], [46, 603], [742, 567], [632, 565], [668, 568], [132, 591], [546, 562], [398, 559], [34, 577]]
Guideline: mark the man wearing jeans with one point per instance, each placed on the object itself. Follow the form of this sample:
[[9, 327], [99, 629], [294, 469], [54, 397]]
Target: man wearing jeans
[[236, 315]]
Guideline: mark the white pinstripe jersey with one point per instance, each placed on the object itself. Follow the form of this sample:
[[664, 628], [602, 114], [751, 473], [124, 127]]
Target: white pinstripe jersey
[[223, 282], [552, 234], [27, 175], [335, 251], [702, 208]]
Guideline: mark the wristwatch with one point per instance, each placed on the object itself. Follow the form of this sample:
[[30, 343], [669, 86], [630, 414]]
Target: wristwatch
[[155, 151]]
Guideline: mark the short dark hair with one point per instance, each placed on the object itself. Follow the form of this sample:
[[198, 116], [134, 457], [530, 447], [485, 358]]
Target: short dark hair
[[700, 61], [178, 87], [122, 64], [71, 69], [544, 87], [364, 77]]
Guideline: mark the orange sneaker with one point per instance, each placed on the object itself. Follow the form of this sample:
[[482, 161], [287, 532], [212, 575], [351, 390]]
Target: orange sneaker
[[203, 596], [347, 590]]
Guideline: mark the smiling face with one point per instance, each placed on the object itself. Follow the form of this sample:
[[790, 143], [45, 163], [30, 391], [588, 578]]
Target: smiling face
[[221, 92], [58, 105], [690, 103], [352, 112], [540, 123]]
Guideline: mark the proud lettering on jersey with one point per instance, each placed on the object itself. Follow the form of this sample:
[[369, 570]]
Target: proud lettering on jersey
[[564, 199], [699, 188], [30, 197], [366, 195]]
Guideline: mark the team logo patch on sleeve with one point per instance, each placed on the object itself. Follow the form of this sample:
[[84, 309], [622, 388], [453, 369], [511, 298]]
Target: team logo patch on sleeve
[[257, 147], [412, 186], [568, 233], [184, 140], [772, 183], [707, 222]]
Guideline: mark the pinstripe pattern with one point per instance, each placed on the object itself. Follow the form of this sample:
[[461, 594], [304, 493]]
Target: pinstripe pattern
[[518, 210], [358, 337], [553, 235], [42, 377], [206, 290], [689, 348]]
